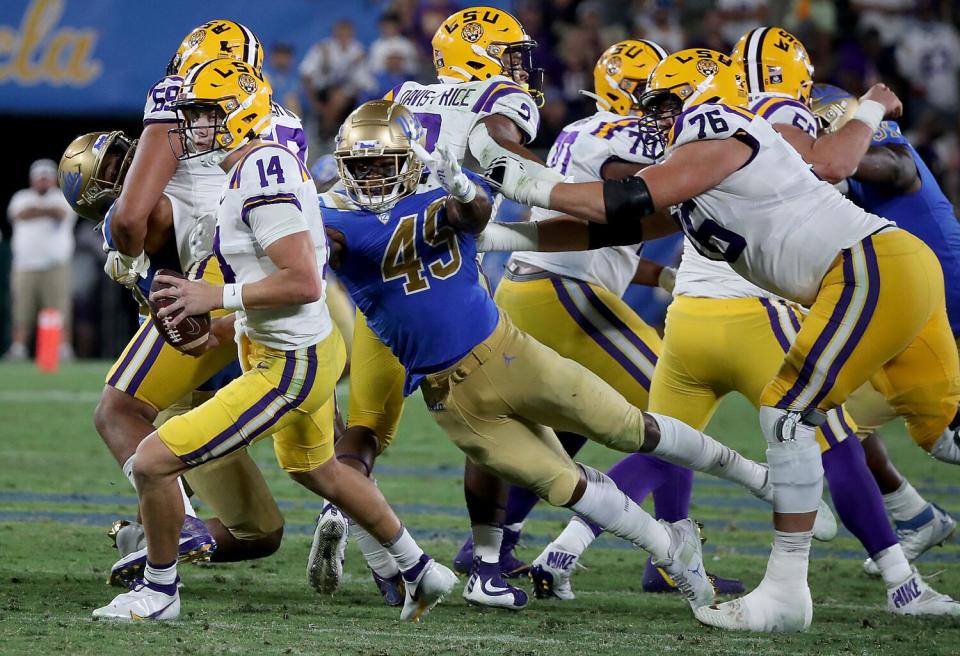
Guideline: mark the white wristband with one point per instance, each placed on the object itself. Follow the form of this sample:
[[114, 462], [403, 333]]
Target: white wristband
[[468, 195], [870, 112], [509, 237], [667, 279], [233, 297]]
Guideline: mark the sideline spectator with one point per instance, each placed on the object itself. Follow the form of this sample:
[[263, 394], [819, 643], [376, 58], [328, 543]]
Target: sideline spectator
[[42, 250], [333, 73], [928, 55], [392, 43]]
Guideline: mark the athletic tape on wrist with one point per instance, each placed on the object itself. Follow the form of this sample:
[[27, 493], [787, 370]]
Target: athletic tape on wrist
[[233, 297]]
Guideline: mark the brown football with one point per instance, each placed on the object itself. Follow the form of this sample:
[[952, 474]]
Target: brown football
[[191, 334]]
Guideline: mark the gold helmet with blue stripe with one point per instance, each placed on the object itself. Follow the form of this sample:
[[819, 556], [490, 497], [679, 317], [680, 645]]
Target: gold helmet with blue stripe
[[376, 162], [223, 105], [213, 40], [832, 106], [480, 42], [775, 61], [92, 171], [620, 76]]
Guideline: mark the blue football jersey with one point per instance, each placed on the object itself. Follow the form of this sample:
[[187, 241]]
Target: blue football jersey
[[925, 213], [415, 278]]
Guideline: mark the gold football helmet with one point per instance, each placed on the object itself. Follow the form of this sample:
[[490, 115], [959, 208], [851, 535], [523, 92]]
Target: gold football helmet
[[832, 106], [775, 62], [222, 105], [376, 162], [213, 40], [92, 171], [620, 76], [481, 42], [689, 78]]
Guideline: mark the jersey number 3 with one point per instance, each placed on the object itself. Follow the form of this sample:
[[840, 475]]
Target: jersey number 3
[[401, 259]]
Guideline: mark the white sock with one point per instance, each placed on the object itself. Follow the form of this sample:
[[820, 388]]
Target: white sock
[[893, 565], [516, 527], [404, 549], [161, 575], [187, 506], [682, 445], [377, 557], [605, 504], [575, 537], [906, 503], [789, 558], [128, 471], [486, 542]]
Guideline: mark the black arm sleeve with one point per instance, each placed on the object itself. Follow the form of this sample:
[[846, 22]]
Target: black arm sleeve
[[627, 201], [626, 233]]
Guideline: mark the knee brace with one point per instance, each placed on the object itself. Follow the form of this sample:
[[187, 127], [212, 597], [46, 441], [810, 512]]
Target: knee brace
[[947, 446], [796, 468]]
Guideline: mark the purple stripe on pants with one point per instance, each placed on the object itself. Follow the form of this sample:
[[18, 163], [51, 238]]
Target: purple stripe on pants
[[597, 335], [617, 322], [833, 324], [145, 367], [137, 343], [775, 325]]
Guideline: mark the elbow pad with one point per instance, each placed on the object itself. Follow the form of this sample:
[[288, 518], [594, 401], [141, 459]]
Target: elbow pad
[[625, 233], [627, 200]]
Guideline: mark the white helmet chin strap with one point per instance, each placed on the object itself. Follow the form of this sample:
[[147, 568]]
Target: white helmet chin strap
[[700, 89], [603, 104]]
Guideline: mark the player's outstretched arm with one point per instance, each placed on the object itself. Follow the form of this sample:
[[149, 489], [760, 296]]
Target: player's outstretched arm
[[837, 155], [153, 165], [892, 166]]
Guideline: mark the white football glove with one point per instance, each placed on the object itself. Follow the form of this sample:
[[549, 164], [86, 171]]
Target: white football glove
[[667, 279], [523, 181], [448, 172], [124, 269]]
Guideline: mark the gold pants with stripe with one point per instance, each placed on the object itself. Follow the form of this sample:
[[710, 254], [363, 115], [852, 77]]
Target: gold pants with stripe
[[152, 371], [588, 324], [714, 346], [285, 393], [232, 487], [879, 315], [501, 402]]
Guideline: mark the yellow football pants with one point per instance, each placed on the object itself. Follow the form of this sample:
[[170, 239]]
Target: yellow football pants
[[286, 393], [879, 314], [712, 347], [588, 324], [154, 372]]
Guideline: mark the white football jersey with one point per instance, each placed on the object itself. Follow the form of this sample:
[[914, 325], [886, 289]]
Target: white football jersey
[[776, 109], [579, 152], [194, 190], [449, 111], [705, 278], [270, 195], [773, 220]]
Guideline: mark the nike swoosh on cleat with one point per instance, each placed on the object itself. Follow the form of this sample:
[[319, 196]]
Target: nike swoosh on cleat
[[493, 591], [135, 617]]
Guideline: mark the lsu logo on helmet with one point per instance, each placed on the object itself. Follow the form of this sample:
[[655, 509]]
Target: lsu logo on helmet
[[213, 40], [620, 76], [481, 42], [776, 62]]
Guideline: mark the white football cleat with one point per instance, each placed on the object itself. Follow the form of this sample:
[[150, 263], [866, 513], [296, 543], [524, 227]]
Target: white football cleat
[[325, 562], [765, 609], [915, 597], [142, 603], [550, 574], [825, 525], [684, 563], [929, 528], [426, 585]]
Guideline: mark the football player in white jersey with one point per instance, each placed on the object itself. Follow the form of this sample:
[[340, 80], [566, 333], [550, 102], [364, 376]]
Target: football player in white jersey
[[270, 245], [745, 196], [779, 82], [150, 376], [572, 301], [484, 105]]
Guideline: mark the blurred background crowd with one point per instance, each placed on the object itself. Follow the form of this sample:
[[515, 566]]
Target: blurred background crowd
[[911, 45]]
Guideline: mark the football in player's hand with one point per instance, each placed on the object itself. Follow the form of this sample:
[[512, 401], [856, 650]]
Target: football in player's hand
[[191, 334]]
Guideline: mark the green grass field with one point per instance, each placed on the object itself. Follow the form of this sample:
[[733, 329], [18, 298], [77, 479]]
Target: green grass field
[[60, 490]]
